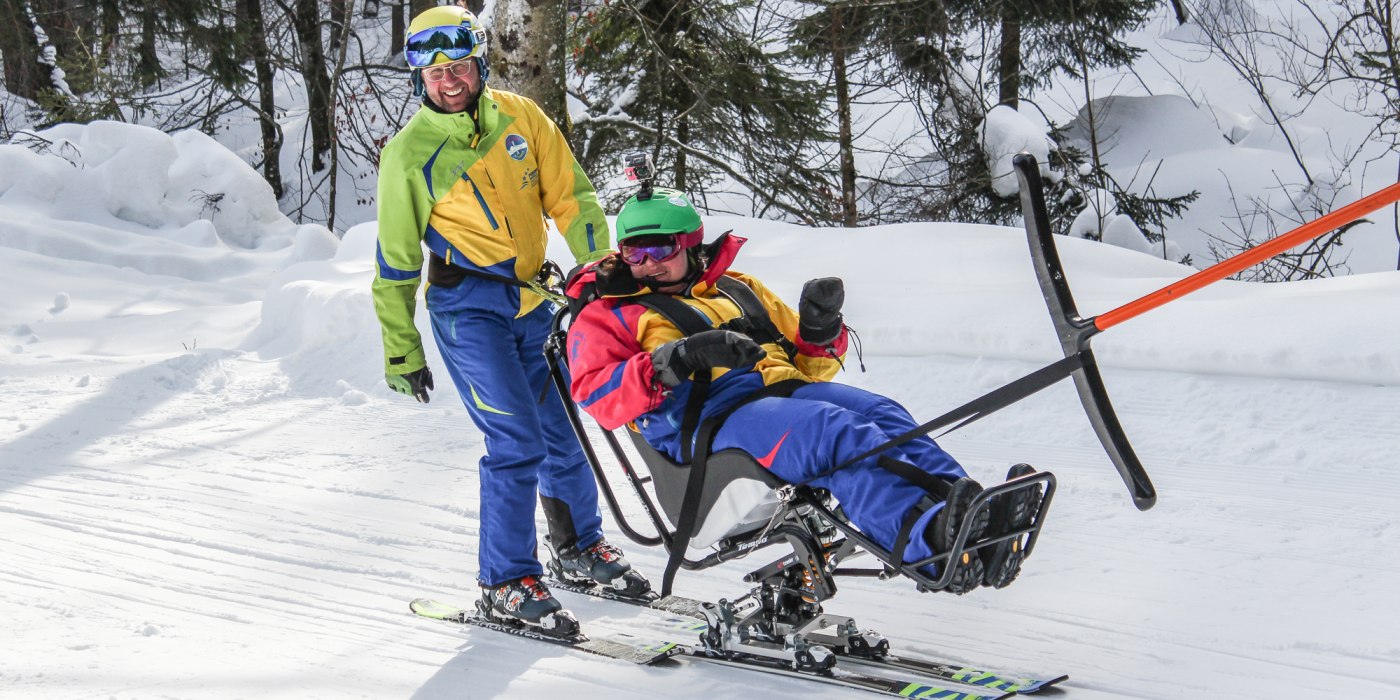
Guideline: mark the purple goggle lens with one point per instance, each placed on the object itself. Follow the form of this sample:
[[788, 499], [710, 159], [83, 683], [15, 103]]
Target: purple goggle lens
[[638, 254]]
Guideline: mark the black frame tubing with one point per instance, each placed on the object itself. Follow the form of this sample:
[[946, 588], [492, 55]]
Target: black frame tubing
[[1074, 334]]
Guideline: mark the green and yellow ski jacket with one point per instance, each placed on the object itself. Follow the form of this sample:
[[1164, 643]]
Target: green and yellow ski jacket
[[475, 192]]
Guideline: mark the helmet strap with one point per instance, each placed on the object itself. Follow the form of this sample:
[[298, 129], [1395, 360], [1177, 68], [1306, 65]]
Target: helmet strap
[[416, 78]]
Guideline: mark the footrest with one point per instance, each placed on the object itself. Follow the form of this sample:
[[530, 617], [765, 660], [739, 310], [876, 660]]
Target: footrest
[[1044, 480]]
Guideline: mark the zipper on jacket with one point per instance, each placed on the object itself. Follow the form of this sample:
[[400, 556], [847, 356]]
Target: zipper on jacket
[[490, 218], [492, 180]]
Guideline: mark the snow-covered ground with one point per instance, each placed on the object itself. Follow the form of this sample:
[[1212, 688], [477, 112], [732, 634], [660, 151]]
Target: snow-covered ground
[[206, 491]]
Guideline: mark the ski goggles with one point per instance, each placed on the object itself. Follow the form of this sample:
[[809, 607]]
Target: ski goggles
[[453, 41], [659, 248]]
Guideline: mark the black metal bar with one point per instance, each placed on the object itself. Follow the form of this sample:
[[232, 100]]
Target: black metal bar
[[1074, 334], [552, 352], [639, 487], [973, 410]]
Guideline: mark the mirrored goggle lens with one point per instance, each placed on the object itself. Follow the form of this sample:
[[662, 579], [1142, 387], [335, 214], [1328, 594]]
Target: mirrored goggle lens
[[454, 42], [636, 255]]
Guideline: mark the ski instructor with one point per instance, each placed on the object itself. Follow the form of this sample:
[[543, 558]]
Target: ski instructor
[[471, 177]]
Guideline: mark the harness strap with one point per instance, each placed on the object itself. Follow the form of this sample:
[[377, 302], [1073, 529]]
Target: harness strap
[[755, 321], [901, 540], [938, 488], [695, 482], [548, 277], [696, 437], [690, 321]]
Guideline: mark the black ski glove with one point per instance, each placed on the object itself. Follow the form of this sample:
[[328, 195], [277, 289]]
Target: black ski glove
[[416, 383], [675, 361], [819, 310]]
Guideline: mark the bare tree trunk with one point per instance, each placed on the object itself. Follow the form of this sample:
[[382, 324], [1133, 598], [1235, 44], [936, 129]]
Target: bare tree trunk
[[35, 72], [148, 69], [254, 45], [528, 55], [59, 19], [343, 40], [318, 84], [1009, 57], [110, 36], [683, 136], [849, 214], [340, 13], [1384, 13], [396, 28], [24, 77], [1182, 16]]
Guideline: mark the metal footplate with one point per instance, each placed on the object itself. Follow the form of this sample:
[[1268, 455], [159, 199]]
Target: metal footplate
[[741, 628]]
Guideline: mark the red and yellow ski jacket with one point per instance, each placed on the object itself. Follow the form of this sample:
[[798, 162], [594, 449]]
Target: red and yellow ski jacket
[[474, 189], [611, 341]]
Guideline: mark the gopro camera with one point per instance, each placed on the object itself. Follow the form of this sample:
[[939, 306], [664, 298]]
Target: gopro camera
[[638, 166]]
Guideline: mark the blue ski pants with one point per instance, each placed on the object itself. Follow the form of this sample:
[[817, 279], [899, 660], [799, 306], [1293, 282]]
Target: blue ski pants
[[822, 425], [498, 364]]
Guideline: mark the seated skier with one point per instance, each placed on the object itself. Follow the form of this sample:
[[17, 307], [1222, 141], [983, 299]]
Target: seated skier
[[629, 363]]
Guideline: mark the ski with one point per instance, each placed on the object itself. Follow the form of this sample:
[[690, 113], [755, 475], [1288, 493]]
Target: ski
[[676, 605], [966, 675], [860, 679], [629, 650], [689, 610], [641, 650]]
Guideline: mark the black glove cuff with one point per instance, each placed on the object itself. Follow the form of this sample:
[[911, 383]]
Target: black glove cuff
[[822, 334]]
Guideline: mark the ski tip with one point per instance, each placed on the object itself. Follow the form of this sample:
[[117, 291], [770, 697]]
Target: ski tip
[[427, 607], [1036, 686]]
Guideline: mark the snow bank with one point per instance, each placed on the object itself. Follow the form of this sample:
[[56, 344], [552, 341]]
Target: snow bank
[[187, 187], [122, 240], [317, 320], [1143, 129], [1240, 164]]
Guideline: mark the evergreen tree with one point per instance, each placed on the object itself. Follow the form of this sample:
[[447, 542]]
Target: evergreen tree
[[915, 48], [957, 59], [1069, 36], [690, 82]]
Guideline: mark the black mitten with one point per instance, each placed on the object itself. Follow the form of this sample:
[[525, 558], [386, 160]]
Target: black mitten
[[675, 361], [819, 310]]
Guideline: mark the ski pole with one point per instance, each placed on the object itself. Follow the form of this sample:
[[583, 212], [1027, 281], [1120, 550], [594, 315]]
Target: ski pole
[[1307, 232]]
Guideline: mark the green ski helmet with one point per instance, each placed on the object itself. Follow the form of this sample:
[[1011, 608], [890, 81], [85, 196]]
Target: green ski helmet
[[665, 212]]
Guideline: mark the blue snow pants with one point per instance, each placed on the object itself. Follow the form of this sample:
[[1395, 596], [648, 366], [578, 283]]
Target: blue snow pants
[[824, 424], [498, 364]]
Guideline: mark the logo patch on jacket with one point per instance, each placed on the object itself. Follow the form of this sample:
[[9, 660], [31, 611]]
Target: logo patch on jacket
[[516, 146]]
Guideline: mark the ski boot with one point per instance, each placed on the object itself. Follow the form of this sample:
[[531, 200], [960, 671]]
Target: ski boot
[[943, 534], [1010, 511], [527, 602], [600, 564]]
